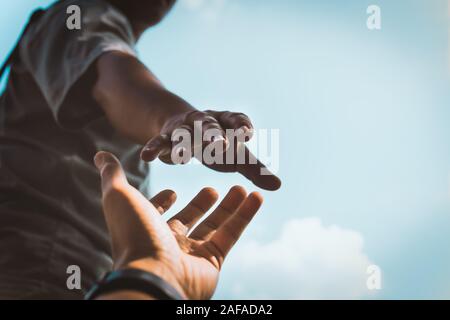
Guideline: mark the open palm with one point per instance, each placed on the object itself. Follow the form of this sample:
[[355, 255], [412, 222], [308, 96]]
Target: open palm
[[188, 258]]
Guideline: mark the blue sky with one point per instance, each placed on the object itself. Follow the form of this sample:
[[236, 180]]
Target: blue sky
[[364, 123]]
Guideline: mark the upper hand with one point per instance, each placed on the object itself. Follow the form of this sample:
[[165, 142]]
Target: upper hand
[[163, 147]]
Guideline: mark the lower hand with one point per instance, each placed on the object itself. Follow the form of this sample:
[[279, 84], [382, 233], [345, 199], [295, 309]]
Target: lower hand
[[188, 258]]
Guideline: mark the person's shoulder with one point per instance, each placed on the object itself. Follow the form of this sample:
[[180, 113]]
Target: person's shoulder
[[64, 4], [93, 13], [88, 8]]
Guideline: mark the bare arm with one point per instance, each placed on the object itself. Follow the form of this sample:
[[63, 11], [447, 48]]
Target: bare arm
[[141, 109], [133, 99]]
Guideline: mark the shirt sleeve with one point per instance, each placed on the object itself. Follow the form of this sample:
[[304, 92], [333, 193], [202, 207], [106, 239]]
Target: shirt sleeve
[[60, 59]]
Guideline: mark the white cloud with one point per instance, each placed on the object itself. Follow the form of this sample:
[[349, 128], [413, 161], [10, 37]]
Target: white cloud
[[307, 261]]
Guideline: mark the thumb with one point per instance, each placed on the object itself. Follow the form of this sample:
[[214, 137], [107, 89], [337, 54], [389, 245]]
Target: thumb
[[133, 222], [116, 202], [111, 171]]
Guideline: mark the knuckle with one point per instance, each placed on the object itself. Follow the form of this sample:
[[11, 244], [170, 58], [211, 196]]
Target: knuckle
[[210, 225], [231, 231], [195, 115], [240, 114], [210, 119]]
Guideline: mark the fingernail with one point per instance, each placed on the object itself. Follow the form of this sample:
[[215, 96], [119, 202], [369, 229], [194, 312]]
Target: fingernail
[[244, 129], [240, 132], [246, 132]]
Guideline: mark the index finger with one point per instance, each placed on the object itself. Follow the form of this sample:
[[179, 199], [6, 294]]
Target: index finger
[[257, 172], [229, 233]]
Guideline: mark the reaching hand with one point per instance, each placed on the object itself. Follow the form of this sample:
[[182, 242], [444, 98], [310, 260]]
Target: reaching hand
[[190, 260], [162, 146]]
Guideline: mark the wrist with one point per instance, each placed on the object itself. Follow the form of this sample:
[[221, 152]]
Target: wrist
[[133, 284], [159, 269], [175, 108]]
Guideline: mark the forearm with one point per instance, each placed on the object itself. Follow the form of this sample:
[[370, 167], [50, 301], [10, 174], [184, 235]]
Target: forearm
[[134, 101]]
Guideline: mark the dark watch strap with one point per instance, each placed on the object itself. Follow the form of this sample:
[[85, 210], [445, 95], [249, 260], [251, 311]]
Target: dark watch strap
[[136, 280]]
